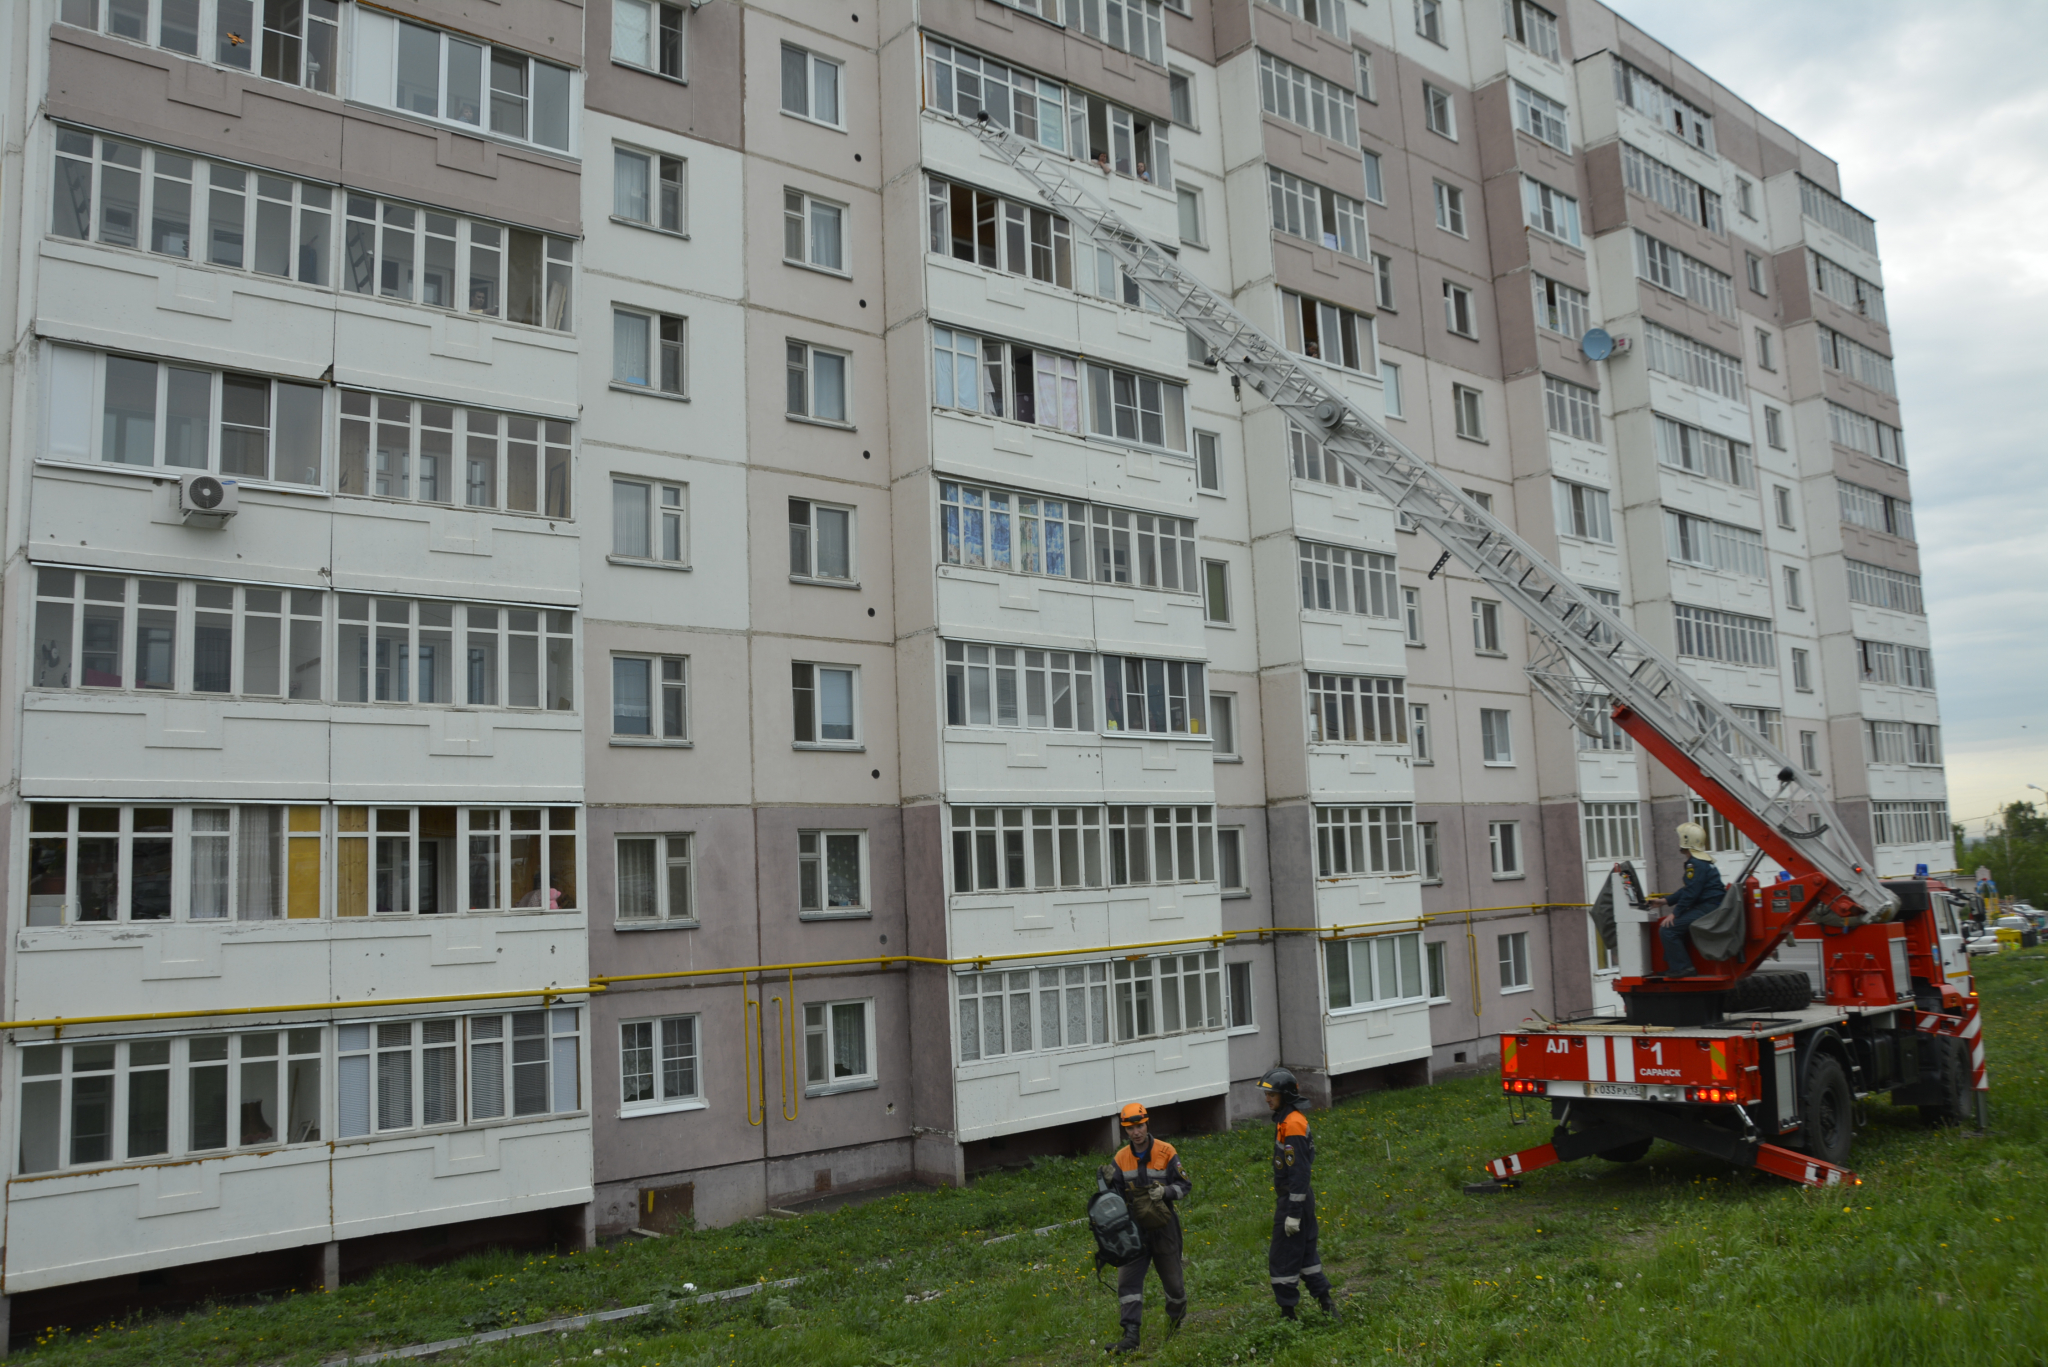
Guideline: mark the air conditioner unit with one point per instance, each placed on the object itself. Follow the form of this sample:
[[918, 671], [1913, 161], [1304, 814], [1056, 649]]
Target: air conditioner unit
[[207, 500], [1622, 346]]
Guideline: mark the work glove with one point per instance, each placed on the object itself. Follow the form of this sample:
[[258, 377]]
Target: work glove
[[1107, 1172], [1292, 1225]]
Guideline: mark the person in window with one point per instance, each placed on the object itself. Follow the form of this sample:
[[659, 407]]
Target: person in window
[[1702, 893], [1102, 161], [1146, 1172], [1144, 174]]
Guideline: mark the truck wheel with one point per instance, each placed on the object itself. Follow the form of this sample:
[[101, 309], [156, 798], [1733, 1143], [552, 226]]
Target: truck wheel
[[1829, 1110], [1953, 1080], [1629, 1152], [1773, 991]]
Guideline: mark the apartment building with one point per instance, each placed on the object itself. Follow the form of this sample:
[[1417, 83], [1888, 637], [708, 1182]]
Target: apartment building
[[909, 699]]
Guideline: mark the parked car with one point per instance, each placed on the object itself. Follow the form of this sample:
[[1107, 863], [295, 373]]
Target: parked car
[[1978, 940]]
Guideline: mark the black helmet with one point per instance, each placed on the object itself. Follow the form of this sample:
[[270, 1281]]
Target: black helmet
[[1282, 1082]]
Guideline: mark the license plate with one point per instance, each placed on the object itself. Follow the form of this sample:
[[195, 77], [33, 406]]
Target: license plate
[[1627, 1089]]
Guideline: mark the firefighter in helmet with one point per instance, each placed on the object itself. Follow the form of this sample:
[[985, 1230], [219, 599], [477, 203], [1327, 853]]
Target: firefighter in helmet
[[1292, 1259], [1702, 893], [1147, 1173]]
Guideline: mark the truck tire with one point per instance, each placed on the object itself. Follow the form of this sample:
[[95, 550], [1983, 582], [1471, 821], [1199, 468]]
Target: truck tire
[[1952, 1078], [1774, 991], [1829, 1109], [1629, 1152]]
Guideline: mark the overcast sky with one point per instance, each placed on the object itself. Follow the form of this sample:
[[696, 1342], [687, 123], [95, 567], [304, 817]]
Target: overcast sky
[[1938, 117]]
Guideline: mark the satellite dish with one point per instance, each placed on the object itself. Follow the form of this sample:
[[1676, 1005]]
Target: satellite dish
[[1597, 345]]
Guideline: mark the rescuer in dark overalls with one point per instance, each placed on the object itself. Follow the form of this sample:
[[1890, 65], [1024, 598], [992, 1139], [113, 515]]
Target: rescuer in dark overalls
[[1292, 1258], [1146, 1172], [1702, 893]]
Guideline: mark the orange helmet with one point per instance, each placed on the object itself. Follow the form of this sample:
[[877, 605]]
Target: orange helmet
[[1134, 1114]]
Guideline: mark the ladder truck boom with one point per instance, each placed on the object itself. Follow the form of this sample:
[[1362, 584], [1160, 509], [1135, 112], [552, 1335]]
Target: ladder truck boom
[[1881, 998]]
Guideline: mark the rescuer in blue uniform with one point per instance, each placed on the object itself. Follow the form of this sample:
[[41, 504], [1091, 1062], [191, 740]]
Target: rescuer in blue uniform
[[1702, 893], [1291, 1258]]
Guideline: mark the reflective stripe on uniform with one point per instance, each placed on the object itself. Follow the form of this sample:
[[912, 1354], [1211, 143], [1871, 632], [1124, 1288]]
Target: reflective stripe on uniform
[[1285, 1281], [1297, 1196], [1138, 1299], [1310, 1271]]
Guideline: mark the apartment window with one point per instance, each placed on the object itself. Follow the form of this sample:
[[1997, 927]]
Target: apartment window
[[1664, 107], [1180, 90], [1223, 724], [1181, 845], [1133, 26], [396, 251], [1802, 670], [1504, 842], [658, 1064], [1690, 362], [1348, 709], [1158, 696], [831, 871], [1208, 461], [1809, 751], [816, 382], [1429, 20], [647, 189], [650, 698], [657, 878], [1006, 379], [810, 86], [966, 84], [392, 650], [1613, 830], [294, 44], [1774, 428], [1715, 545], [1432, 856], [1846, 288], [1766, 354], [1549, 212], [650, 35], [1216, 590], [1120, 140], [1023, 534], [1383, 281], [1310, 212], [1307, 100], [648, 351], [1190, 202], [1390, 388], [1466, 406], [1376, 971], [1364, 840], [1894, 742], [647, 521], [1486, 626], [1418, 734], [410, 451], [824, 703], [1495, 743], [89, 644], [1483, 499], [1560, 308], [1007, 686], [1436, 971], [1240, 996], [1126, 406], [1572, 410], [1167, 995], [1670, 269], [1910, 823], [1670, 189], [1541, 117], [1363, 60], [1335, 336], [1684, 447], [1582, 511], [1874, 511], [418, 1078], [1745, 196], [820, 541], [813, 232], [1753, 265], [839, 1045], [1535, 28], [1879, 587], [1450, 208], [1767, 722], [1458, 312], [1411, 615], [1886, 663], [448, 78], [1710, 634], [1337, 579], [1795, 594], [999, 848], [1513, 953], [996, 1010]]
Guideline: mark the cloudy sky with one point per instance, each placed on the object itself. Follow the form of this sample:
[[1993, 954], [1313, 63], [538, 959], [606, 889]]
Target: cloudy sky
[[1938, 117]]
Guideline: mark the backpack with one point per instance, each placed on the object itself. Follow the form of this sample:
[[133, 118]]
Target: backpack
[[1117, 1240]]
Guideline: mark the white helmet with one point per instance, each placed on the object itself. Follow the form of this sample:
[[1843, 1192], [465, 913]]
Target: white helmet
[[1692, 837]]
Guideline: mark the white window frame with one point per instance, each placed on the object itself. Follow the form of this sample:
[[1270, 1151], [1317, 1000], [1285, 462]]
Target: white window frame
[[1429, 21], [675, 854], [1766, 353], [1216, 592], [1390, 390], [655, 24], [1240, 1015], [1191, 210], [1420, 750], [1450, 207], [218, 40], [804, 540], [663, 1101], [1368, 962], [668, 196], [1795, 595], [1177, 83], [1436, 975], [668, 524], [662, 336], [1429, 853], [1550, 212], [812, 62], [1496, 738], [1461, 318], [814, 850], [1439, 111], [1223, 727], [1411, 615], [1809, 751], [1802, 670], [821, 1022], [1231, 838], [1774, 428], [1541, 117], [668, 676], [803, 372], [1468, 409], [1487, 638], [382, 90], [1511, 952], [1208, 462], [799, 211], [1363, 61], [812, 682]]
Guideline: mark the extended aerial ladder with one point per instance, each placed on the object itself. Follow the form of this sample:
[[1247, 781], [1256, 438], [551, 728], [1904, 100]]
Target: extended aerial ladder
[[1585, 659]]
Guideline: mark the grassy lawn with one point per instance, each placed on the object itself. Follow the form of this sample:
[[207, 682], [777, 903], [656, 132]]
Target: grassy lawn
[[1937, 1258]]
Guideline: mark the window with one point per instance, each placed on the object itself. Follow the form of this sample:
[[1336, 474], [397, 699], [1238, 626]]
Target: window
[[997, 848], [820, 541], [1418, 734], [1309, 211], [1827, 209], [1364, 840], [95, 1102], [1613, 831], [295, 44], [1909, 823], [1666, 108], [831, 869], [1709, 634], [1004, 379], [1336, 579], [1363, 60], [817, 383], [1535, 28], [824, 703], [449, 78], [1023, 534], [1495, 742], [1208, 462], [1436, 971], [1670, 269], [1514, 958], [1766, 356], [1802, 670], [996, 1010], [1450, 208], [1809, 751], [1458, 313], [1486, 626], [1684, 447], [1582, 511], [1846, 288], [658, 1064], [1690, 362], [1383, 282], [1239, 996], [839, 1043], [1670, 189], [1126, 406], [1483, 499], [1847, 427], [1432, 857], [1133, 26], [1181, 845], [1774, 426], [650, 697], [1223, 724], [1180, 90], [1715, 545], [650, 35], [90, 645], [1504, 842], [1560, 308], [966, 84], [514, 463], [1429, 20], [1550, 212], [1723, 837], [1307, 100], [1897, 742], [1411, 615], [657, 878], [1190, 203], [1795, 596], [647, 521], [1216, 590], [1335, 336], [1572, 410], [1541, 117], [1327, 15], [647, 189], [396, 251], [164, 415], [1376, 971], [1754, 266], [1119, 140], [1007, 686], [813, 232], [1390, 387], [1597, 730], [1923, 743], [1885, 663], [1745, 196], [1347, 709], [810, 86], [1167, 995], [648, 351], [1466, 405], [1159, 696], [1874, 511]]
